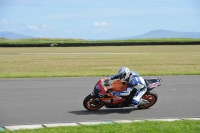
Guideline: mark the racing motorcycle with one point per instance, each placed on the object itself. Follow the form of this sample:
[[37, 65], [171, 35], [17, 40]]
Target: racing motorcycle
[[102, 95]]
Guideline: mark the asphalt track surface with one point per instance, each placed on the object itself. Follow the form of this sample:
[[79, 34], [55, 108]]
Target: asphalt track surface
[[60, 100]]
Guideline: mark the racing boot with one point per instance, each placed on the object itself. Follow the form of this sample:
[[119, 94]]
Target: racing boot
[[143, 102]]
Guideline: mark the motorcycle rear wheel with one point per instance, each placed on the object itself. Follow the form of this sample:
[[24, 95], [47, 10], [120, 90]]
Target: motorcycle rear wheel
[[151, 97], [92, 103]]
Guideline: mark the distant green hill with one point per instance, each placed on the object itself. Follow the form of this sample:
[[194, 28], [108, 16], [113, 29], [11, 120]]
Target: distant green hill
[[152, 34], [167, 34], [12, 35]]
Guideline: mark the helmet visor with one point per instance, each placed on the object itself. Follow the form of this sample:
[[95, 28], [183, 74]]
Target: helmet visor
[[122, 76]]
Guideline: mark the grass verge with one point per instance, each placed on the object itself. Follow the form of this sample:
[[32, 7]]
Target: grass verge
[[181, 126], [98, 61]]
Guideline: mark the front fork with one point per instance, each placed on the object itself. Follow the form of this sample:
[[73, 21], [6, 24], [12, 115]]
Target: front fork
[[97, 97], [92, 94]]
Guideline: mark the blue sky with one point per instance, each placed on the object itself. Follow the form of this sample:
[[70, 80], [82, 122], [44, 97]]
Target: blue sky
[[97, 19]]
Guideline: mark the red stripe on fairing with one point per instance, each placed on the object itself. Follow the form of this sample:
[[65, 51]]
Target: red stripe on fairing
[[102, 89], [154, 84]]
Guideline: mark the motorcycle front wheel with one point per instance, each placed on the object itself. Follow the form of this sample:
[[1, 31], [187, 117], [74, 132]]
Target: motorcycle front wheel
[[151, 97], [92, 103]]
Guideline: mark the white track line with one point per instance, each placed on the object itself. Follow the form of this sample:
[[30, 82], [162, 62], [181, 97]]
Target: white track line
[[22, 127], [78, 53], [60, 124]]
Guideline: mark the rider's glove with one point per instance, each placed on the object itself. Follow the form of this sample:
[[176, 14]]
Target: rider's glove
[[107, 80], [124, 82]]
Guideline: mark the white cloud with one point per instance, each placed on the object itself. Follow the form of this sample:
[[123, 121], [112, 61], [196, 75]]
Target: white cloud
[[101, 24], [3, 21], [43, 27], [46, 27], [9, 22], [32, 27]]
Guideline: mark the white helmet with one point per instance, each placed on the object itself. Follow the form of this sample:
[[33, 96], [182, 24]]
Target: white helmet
[[124, 73]]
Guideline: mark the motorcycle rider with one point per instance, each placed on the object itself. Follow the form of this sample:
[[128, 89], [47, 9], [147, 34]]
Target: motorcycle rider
[[134, 81]]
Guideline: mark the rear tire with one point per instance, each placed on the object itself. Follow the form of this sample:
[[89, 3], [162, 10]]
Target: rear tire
[[92, 103], [151, 97]]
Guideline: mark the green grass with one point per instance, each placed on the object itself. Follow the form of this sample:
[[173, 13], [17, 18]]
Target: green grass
[[183, 126], [71, 40], [101, 61]]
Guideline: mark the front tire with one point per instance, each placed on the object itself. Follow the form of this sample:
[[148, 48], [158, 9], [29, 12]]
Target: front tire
[[92, 103], [151, 97]]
